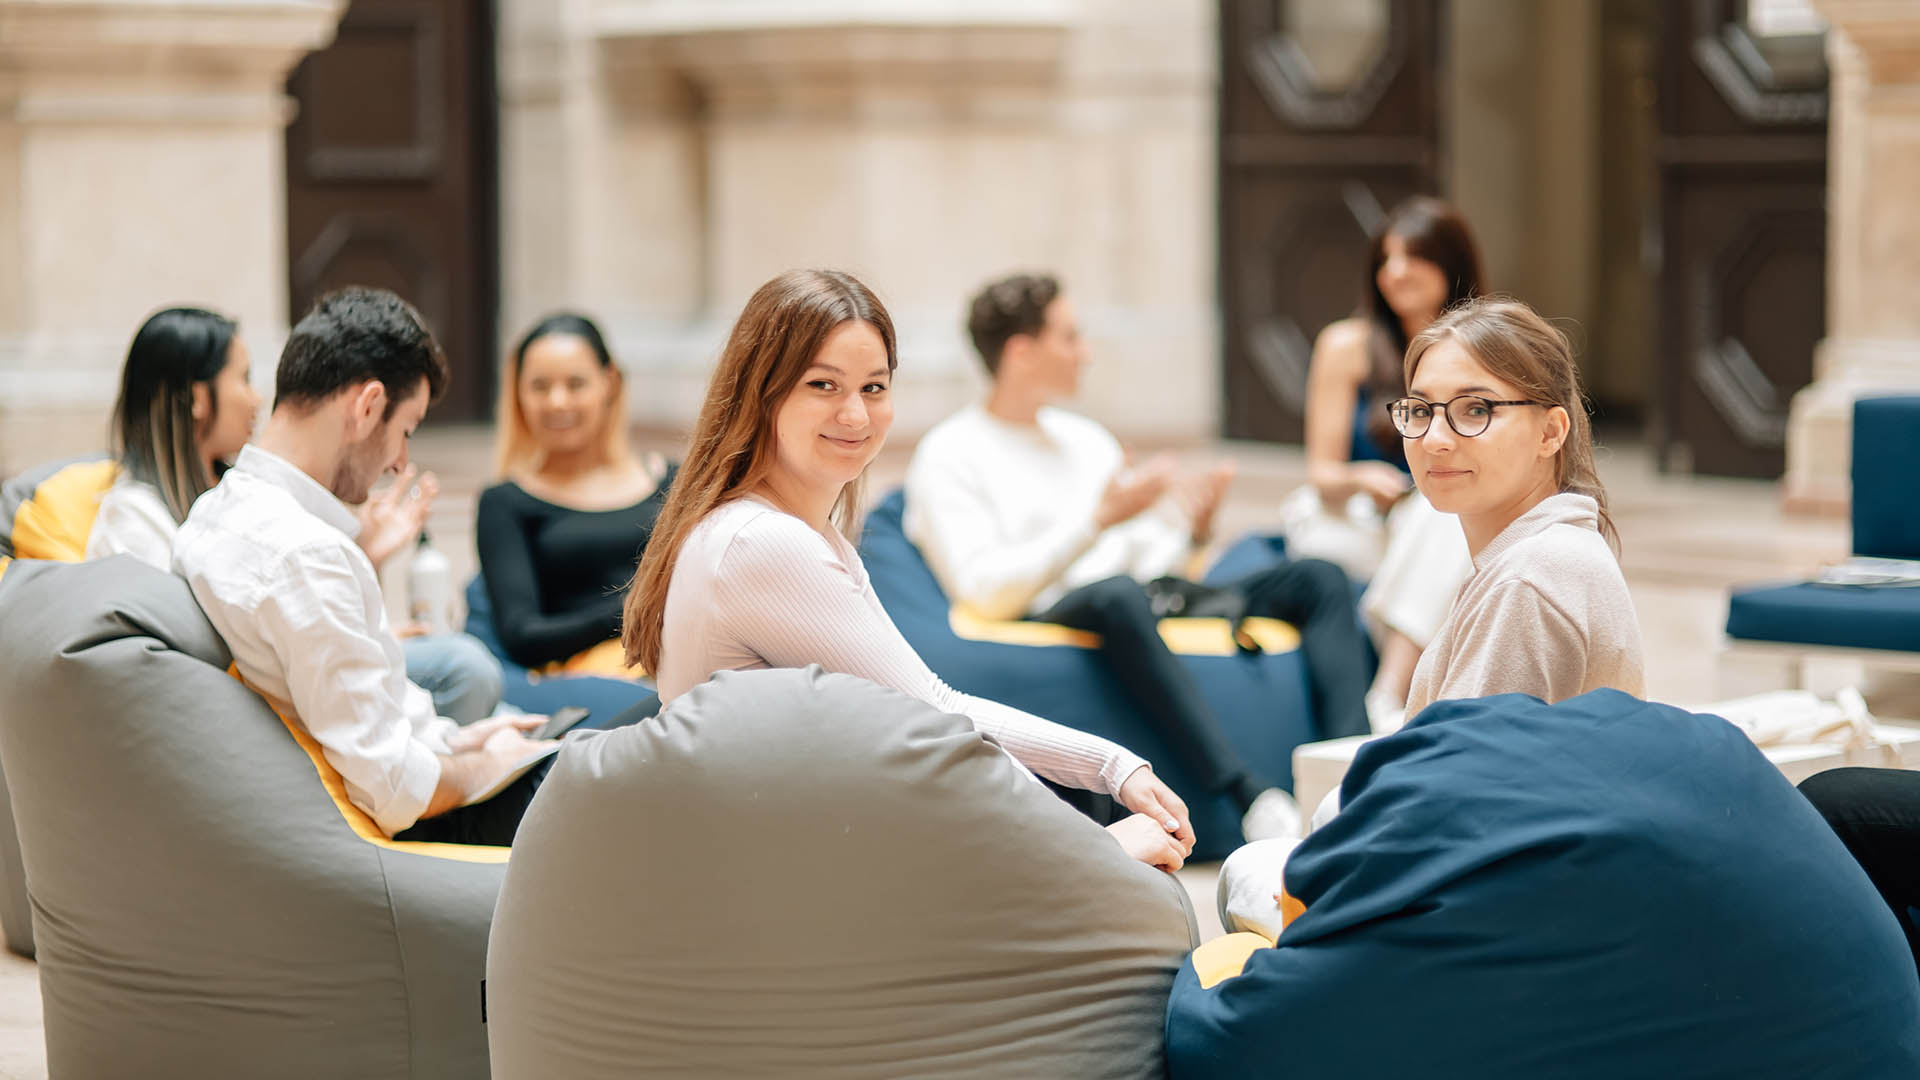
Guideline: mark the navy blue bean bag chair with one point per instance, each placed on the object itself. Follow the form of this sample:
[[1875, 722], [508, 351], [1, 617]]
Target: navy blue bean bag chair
[[1600, 888], [1261, 700], [604, 698]]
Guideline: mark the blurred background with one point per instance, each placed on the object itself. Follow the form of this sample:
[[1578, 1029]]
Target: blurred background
[[1716, 197]]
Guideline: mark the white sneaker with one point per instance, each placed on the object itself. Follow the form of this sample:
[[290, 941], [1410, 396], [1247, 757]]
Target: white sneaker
[[1273, 816]]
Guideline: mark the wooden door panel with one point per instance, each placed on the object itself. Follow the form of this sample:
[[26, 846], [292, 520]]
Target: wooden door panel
[[1743, 221], [390, 175], [1308, 162]]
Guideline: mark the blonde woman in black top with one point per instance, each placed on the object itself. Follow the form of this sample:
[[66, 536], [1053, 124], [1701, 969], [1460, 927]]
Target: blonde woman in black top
[[560, 536]]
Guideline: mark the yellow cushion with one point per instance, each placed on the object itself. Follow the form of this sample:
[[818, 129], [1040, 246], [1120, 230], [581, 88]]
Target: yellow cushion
[[1226, 956], [357, 819], [607, 659], [1188, 637], [55, 521]]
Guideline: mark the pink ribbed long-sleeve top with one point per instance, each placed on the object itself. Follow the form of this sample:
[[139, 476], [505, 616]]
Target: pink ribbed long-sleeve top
[[756, 587]]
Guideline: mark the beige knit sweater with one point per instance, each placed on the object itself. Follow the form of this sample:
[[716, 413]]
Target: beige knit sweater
[[1546, 613]]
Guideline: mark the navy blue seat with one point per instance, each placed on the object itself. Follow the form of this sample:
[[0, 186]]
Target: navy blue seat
[[1595, 889], [605, 698], [1886, 524], [1261, 701]]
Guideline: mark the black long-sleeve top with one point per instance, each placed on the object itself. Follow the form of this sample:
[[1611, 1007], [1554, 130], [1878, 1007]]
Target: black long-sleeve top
[[557, 577]]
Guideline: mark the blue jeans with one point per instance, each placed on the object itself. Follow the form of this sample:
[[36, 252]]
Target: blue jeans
[[463, 677]]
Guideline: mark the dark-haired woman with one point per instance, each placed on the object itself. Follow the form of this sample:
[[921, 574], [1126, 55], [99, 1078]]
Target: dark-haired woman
[[1359, 508], [560, 536], [753, 569], [185, 409]]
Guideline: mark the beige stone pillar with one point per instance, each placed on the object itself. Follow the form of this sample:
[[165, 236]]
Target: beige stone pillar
[[1873, 241], [141, 164], [925, 147]]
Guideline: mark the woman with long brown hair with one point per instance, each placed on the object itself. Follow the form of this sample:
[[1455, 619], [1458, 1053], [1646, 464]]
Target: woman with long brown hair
[[750, 565], [1359, 508]]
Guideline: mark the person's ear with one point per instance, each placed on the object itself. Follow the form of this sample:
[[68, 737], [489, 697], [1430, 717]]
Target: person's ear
[[365, 408], [1559, 425], [1016, 352], [202, 403]]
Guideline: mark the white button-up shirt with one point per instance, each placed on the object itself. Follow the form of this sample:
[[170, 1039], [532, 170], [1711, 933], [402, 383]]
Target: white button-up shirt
[[271, 557]]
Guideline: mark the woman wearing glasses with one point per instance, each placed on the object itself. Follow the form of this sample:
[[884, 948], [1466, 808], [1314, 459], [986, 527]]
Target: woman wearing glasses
[[1495, 432], [1359, 508]]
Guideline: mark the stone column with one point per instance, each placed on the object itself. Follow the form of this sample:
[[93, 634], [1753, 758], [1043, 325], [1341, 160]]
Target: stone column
[[141, 165], [1873, 242], [925, 147]]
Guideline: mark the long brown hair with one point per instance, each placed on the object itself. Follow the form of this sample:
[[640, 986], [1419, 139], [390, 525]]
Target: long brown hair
[[1432, 229], [777, 336], [515, 448], [1517, 346]]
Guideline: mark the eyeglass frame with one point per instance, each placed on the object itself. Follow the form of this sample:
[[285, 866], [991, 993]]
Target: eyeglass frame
[[1442, 406]]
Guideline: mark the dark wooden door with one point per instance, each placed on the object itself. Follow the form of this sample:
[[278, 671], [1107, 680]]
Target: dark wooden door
[[390, 175], [1328, 115], [1743, 182]]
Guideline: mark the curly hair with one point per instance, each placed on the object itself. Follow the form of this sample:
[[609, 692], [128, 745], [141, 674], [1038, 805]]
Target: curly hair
[[1010, 306]]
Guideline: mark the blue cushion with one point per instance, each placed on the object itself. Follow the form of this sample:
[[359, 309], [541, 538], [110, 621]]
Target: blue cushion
[[1600, 888], [1261, 701], [1854, 617], [604, 698], [1886, 444]]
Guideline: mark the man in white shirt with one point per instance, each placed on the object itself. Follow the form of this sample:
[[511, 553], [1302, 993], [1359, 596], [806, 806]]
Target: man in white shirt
[[1025, 510], [271, 556]]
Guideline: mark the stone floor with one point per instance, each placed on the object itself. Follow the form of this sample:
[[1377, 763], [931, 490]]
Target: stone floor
[[1686, 540]]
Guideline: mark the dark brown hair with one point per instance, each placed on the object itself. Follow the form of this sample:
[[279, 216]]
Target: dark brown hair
[[777, 336], [1013, 305], [1517, 346], [1432, 230]]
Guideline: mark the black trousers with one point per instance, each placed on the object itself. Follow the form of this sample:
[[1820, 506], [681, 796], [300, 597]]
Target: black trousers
[[1876, 813], [1311, 594], [496, 820]]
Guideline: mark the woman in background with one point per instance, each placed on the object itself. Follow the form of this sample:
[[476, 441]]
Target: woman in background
[[1359, 508], [186, 407], [559, 537]]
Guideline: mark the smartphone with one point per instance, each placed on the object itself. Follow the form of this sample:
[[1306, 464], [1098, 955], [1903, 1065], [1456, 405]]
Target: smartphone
[[562, 721]]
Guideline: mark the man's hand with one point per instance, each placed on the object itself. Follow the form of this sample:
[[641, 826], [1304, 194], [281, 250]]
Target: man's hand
[[1132, 491], [1201, 495], [1148, 841], [482, 754], [393, 519], [475, 735], [1144, 793]]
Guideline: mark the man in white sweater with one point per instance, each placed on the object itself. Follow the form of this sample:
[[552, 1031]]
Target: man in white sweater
[[1024, 510]]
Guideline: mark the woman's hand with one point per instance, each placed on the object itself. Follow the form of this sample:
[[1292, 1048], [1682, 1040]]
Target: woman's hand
[[1149, 841], [393, 519], [1144, 793], [1380, 480]]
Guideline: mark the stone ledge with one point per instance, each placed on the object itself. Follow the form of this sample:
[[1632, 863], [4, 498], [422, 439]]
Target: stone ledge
[[247, 41]]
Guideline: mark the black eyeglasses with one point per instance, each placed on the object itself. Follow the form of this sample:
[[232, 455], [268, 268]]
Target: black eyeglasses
[[1468, 415]]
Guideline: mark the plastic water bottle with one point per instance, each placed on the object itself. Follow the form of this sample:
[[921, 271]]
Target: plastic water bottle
[[430, 588]]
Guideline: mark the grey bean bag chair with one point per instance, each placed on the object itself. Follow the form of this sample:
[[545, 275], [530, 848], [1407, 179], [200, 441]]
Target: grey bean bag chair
[[46, 512], [204, 904], [795, 874]]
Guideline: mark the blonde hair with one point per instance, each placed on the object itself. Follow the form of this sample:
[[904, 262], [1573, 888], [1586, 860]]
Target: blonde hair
[[1517, 346], [777, 336], [515, 448]]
